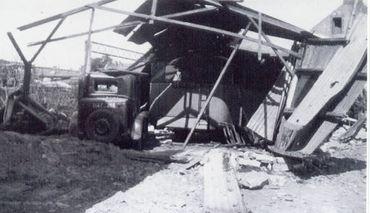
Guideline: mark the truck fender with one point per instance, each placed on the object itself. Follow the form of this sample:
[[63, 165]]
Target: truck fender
[[139, 125]]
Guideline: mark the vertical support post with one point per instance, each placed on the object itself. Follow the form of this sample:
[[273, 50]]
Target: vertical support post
[[211, 94], [259, 36], [154, 10], [88, 44], [27, 66]]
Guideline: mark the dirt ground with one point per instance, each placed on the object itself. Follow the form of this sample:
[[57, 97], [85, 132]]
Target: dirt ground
[[335, 182], [63, 174]]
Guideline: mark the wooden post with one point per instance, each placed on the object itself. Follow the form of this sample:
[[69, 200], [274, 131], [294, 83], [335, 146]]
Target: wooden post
[[88, 44], [154, 10], [218, 81], [47, 40], [259, 36]]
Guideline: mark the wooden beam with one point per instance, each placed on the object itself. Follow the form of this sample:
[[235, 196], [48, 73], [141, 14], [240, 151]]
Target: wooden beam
[[217, 83], [153, 10], [88, 44], [259, 36], [353, 130], [117, 56], [308, 71], [65, 14], [129, 24], [328, 126], [198, 27], [221, 188], [47, 40], [327, 41], [190, 12], [339, 72], [118, 48], [17, 48], [267, 39], [288, 28]]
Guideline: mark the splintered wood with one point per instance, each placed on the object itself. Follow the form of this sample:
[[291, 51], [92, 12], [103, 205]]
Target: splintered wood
[[221, 190], [336, 76]]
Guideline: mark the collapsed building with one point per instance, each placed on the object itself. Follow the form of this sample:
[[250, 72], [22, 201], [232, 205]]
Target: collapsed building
[[207, 73]]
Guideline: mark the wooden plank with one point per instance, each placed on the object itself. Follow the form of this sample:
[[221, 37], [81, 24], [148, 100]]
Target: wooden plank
[[153, 10], [128, 24], [47, 40], [289, 31], [327, 126], [125, 25], [88, 44], [116, 56], [190, 12], [336, 76], [118, 48], [327, 41], [318, 57], [221, 189], [263, 120], [63, 15], [259, 36], [198, 27], [353, 130]]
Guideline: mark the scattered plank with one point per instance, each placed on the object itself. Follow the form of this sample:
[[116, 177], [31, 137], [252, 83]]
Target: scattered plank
[[353, 130], [221, 189]]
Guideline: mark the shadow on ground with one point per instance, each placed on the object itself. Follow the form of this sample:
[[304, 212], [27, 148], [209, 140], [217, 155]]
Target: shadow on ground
[[325, 166]]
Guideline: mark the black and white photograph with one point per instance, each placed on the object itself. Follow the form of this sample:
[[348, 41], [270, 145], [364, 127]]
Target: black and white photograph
[[183, 106]]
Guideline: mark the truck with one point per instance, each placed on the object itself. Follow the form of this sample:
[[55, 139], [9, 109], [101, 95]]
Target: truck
[[110, 108]]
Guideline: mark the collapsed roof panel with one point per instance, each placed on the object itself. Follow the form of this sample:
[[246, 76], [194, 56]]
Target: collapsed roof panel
[[227, 17]]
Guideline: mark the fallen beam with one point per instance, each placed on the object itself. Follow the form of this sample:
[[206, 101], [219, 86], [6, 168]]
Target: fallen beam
[[118, 48], [221, 189], [63, 15], [130, 24], [198, 27], [116, 56]]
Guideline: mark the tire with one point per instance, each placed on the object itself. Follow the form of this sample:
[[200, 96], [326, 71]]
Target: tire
[[103, 126]]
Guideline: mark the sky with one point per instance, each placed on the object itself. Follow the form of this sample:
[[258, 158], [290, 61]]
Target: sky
[[69, 54]]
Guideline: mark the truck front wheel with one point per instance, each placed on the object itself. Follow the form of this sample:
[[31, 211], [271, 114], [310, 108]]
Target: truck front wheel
[[102, 125]]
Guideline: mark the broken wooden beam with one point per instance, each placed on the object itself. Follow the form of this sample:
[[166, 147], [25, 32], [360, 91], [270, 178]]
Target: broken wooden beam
[[113, 55], [327, 41], [63, 15], [317, 72], [198, 27], [353, 130], [331, 84], [221, 188]]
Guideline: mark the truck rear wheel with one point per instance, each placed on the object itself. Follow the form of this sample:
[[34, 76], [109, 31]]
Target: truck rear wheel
[[102, 125]]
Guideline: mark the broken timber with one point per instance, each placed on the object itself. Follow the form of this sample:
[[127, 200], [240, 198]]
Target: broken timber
[[221, 189], [337, 75]]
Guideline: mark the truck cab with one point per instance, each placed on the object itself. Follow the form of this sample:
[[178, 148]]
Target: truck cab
[[109, 108]]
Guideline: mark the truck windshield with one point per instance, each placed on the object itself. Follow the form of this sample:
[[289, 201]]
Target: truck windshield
[[105, 86]]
